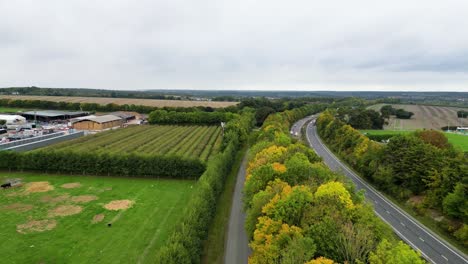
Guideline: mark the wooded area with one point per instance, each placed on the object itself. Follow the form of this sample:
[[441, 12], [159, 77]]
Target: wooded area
[[421, 163], [298, 211]]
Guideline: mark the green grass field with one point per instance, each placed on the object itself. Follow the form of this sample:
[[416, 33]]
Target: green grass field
[[457, 140], [200, 142], [10, 110], [135, 235]]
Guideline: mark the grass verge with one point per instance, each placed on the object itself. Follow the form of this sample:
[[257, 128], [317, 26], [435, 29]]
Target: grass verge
[[10, 109], [214, 246]]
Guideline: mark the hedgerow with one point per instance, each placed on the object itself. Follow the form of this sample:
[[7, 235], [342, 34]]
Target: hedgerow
[[186, 242], [92, 163], [196, 117]]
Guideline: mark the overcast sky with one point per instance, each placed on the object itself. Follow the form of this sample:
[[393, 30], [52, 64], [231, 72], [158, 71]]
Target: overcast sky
[[239, 44]]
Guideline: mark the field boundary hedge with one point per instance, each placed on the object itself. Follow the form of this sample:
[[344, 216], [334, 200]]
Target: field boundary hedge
[[106, 164], [185, 245]]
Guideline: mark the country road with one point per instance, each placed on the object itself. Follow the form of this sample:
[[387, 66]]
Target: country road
[[237, 246], [433, 248]]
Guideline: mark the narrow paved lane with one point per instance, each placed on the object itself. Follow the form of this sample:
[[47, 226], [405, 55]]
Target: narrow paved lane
[[237, 246], [432, 247]]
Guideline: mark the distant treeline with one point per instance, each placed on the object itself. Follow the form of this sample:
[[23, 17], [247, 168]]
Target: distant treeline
[[93, 107], [87, 93], [462, 114], [388, 110], [422, 163], [360, 117]]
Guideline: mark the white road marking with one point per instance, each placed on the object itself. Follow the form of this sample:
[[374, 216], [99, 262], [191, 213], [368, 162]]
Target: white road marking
[[410, 218], [421, 239], [402, 224], [446, 259], [387, 212]]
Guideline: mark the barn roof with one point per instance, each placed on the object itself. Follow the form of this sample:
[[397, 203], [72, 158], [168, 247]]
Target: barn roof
[[54, 113], [101, 119], [11, 117]]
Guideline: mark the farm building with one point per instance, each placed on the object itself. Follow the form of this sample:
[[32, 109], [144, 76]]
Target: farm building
[[127, 116], [463, 130], [13, 119], [98, 122], [48, 115]]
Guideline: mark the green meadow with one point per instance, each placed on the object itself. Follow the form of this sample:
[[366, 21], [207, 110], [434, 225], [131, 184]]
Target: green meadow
[[65, 219], [457, 140]]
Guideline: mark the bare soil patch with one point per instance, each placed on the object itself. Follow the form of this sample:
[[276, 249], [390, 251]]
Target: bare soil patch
[[36, 226], [56, 199], [18, 207], [119, 205], [416, 200], [64, 210], [98, 218], [35, 187], [71, 185], [13, 194], [83, 198]]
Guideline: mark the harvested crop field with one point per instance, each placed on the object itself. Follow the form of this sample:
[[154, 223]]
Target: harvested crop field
[[428, 117], [198, 142], [121, 101], [71, 225]]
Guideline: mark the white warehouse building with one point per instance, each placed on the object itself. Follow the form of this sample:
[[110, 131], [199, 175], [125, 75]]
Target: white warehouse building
[[13, 119]]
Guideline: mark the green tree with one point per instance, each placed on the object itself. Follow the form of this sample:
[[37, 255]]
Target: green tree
[[456, 203], [399, 253]]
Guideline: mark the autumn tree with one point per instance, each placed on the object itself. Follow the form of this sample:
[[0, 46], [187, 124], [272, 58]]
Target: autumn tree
[[435, 138], [396, 253]]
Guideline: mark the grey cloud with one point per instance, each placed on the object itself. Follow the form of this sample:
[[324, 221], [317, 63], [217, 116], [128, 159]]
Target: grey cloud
[[244, 44]]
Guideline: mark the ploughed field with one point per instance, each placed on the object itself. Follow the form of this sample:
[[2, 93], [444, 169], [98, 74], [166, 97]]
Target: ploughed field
[[197, 142], [425, 116], [64, 219]]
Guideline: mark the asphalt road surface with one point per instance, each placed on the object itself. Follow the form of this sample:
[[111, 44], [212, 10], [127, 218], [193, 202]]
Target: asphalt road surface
[[433, 248], [237, 246], [297, 127]]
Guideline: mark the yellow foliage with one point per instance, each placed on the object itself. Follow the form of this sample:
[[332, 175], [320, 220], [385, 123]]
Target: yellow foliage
[[278, 167], [270, 154], [268, 236], [320, 260], [362, 147], [285, 192], [335, 190]]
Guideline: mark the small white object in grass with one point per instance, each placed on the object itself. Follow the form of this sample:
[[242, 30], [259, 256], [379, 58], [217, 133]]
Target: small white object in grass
[[31, 246]]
